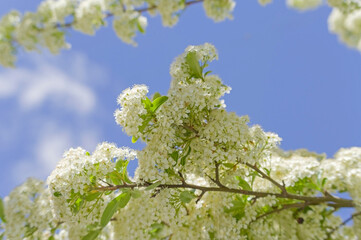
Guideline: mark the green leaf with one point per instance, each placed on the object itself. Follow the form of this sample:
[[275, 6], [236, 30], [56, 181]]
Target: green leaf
[[139, 26], [57, 194], [156, 228], [116, 178], [75, 208], [193, 63], [212, 235], [186, 196], [92, 235], [2, 211], [146, 103], [145, 123], [134, 139], [324, 180], [243, 184], [175, 156], [87, 153], [135, 193], [158, 102], [29, 230], [93, 179], [268, 171], [92, 195], [123, 199], [228, 165], [156, 95], [208, 72], [237, 209], [153, 186], [121, 167], [170, 172], [118, 202], [183, 159]]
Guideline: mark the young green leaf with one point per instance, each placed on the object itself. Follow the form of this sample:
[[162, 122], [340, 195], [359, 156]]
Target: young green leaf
[[140, 27], [156, 95], [243, 184], [92, 235], [186, 196], [57, 194], [2, 211], [237, 209], [118, 202], [156, 228], [324, 180], [123, 199], [158, 102], [208, 72], [175, 156], [147, 103], [153, 186], [116, 178], [135, 193], [91, 196], [183, 159], [134, 139], [109, 211], [193, 63], [228, 165]]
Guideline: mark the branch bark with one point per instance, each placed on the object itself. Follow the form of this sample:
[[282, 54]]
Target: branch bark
[[329, 200]]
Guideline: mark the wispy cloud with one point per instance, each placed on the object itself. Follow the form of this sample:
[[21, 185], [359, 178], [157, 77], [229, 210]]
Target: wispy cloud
[[46, 82], [48, 149], [53, 107]]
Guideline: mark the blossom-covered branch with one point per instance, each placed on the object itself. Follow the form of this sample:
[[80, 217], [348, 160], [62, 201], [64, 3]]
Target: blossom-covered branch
[[204, 173], [46, 28]]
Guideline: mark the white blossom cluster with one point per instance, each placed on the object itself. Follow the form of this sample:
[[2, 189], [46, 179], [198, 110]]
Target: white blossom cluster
[[74, 177], [131, 109], [301, 5], [304, 4], [27, 211], [219, 9], [203, 174], [347, 26], [47, 27]]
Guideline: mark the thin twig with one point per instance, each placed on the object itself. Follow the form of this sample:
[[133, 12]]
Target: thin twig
[[344, 223], [200, 196], [141, 10], [265, 176]]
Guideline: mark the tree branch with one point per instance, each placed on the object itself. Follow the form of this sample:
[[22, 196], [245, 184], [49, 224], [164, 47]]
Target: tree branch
[[330, 201], [141, 10], [265, 176]]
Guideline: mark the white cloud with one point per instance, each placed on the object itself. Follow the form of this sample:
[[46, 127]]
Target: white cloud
[[63, 85], [52, 142]]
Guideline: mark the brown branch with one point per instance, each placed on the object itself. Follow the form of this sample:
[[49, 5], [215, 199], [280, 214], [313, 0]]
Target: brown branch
[[330, 201], [283, 207], [200, 196], [265, 176]]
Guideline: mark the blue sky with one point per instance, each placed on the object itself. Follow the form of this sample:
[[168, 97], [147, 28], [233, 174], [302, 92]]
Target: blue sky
[[287, 72]]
